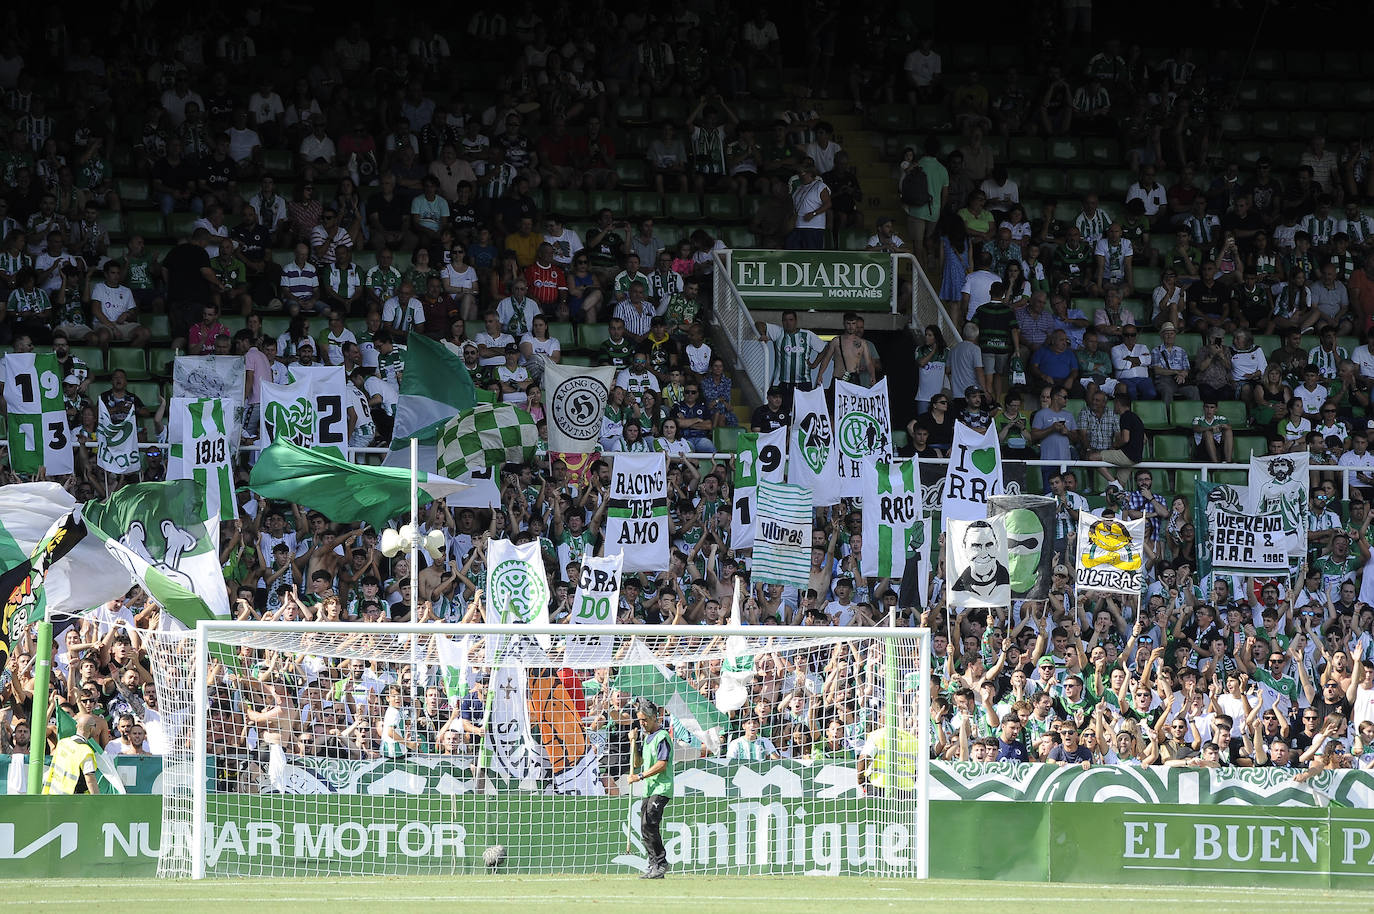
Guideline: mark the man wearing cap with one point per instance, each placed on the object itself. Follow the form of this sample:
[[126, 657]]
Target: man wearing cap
[[655, 764], [1169, 367], [772, 414]]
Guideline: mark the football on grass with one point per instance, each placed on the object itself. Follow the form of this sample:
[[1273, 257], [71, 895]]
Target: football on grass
[[494, 856]]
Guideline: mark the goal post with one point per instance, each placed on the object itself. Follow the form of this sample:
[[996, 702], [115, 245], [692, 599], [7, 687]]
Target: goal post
[[291, 755]]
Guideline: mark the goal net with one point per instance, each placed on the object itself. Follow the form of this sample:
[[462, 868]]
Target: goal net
[[364, 749]]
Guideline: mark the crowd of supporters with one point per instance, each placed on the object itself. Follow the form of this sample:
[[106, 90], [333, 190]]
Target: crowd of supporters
[[447, 197]]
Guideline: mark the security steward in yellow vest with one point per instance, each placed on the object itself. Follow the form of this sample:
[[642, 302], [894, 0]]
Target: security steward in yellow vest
[[888, 761], [73, 761]]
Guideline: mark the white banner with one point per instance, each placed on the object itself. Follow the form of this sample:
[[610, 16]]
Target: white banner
[[974, 474], [637, 523], [514, 750], [976, 563], [213, 377], [310, 411], [575, 398], [760, 455], [1280, 485], [782, 543], [595, 603], [863, 432], [812, 455], [198, 432], [116, 442], [1239, 541], [1110, 553], [891, 517]]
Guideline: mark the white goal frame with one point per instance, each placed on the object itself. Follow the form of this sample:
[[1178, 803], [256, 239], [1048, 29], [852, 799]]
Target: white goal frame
[[207, 630]]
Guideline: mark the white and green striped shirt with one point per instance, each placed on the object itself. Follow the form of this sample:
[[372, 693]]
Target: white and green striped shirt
[[742, 750], [792, 354], [1327, 362], [31, 302]]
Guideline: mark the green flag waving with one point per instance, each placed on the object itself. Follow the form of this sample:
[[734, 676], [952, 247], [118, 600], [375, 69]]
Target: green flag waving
[[435, 387], [164, 536], [343, 492]]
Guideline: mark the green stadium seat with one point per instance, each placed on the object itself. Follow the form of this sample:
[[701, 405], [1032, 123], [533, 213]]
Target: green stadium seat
[[632, 110], [1117, 181], [613, 200], [1236, 412], [673, 110], [1250, 93], [563, 332], [1064, 150], [765, 84], [279, 162], [147, 391], [1101, 151], [1026, 150], [133, 191], [149, 224], [726, 439], [1146, 278], [93, 356], [160, 361], [891, 118], [1172, 448], [1185, 483], [1235, 123], [275, 324], [854, 239], [1154, 413], [568, 203], [632, 172], [1302, 63], [1075, 406], [1046, 182], [737, 236], [1084, 181], [682, 207], [159, 327], [1248, 446], [1148, 339], [1266, 63], [180, 225], [1344, 123], [1230, 477], [721, 207], [591, 336], [1270, 124], [112, 222], [1306, 123], [134, 362], [1327, 95], [640, 204], [581, 360], [1340, 63]]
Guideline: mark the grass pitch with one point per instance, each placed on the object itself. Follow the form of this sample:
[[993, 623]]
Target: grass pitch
[[771, 894]]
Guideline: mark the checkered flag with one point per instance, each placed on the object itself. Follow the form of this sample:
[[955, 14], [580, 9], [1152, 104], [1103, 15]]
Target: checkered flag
[[488, 435]]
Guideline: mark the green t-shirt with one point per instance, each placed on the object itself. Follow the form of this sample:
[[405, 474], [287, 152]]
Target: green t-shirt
[[138, 271], [659, 744], [618, 354]]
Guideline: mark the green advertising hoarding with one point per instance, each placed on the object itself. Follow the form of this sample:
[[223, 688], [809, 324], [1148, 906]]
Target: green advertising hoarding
[[815, 280], [101, 837]]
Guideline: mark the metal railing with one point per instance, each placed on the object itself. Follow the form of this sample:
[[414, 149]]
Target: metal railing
[[926, 307], [735, 329]]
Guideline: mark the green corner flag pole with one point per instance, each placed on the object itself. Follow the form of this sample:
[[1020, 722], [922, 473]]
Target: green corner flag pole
[[38, 722]]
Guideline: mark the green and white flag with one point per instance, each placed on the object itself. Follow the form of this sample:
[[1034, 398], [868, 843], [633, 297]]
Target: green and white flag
[[694, 719], [201, 450], [760, 455], [454, 665], [974, 473], [576, 399], [812, 455], [637, 517], [342, 491], [782, 543], [88, 577], [737, 670], [486, 436], [595, 603], [310, 411], [164, 536], [517, 593], [38, 432], [863, 432], [116, 443], [213, 377], [435, 387], [891, 517]]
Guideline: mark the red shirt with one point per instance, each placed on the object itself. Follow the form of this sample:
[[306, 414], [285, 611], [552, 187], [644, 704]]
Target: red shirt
[[545, 282], [556, 150], [1361, 290], [595, 152]]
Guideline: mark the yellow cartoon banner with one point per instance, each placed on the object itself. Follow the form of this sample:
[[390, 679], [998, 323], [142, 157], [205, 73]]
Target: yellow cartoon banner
[[1110, 553]]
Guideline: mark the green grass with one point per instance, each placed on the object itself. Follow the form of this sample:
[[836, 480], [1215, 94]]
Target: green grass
[[775, 895]]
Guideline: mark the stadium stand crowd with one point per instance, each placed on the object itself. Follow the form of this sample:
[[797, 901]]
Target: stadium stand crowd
[[1151, 254]]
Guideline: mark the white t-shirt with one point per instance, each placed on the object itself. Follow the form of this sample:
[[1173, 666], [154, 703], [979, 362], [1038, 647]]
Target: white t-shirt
[[699, 357], [1312, 400], [978, 286], [114, 302], [241, 143], [463, 280], [393, 720], [498, 343], [1363, 358], [564, 246], [542, 347]]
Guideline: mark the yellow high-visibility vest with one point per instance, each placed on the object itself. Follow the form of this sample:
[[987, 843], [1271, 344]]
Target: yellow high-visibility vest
[[69, 761], [894, 758]]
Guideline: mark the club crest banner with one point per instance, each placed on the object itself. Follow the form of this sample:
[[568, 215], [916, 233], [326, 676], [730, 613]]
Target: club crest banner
[[812, 455], [1029, 522], [1110, 553], [200, 450], [116, 442], [759, 456], [637, 519], [863, 432], [976, 563], [974, 474], [576, 399]]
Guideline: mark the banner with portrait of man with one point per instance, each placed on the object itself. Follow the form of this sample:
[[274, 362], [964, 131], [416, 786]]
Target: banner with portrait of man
[[1279, 485], [976, 563], [1110, 554]]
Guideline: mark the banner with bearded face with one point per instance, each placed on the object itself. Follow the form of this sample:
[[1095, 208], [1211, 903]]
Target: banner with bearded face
[[1029, 524]]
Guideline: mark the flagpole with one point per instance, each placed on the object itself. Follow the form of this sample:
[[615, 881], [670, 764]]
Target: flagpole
[[38, 721], [414, 571]]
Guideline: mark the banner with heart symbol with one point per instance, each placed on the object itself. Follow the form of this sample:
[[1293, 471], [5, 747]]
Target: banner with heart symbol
[[974, 474]]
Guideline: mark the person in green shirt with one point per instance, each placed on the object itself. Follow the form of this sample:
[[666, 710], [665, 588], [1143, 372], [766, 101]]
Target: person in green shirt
[[654, 764]]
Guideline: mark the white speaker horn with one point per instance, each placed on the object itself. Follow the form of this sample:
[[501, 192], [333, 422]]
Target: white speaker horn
[[392, 542]]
